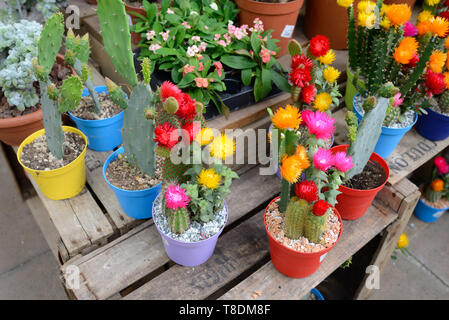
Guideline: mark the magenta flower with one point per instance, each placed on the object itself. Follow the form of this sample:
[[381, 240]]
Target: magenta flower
[[323, 159], [441, 165], [342, 162], [176, 198], [319, 124], [410, 30], [397, 100]]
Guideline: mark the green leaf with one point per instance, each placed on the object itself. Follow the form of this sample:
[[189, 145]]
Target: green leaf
[[280, 81], [258, 89], [186, 80], [266, 82], [165, 4], [238, 62], [167, 52], [246, 76], [255, 42]]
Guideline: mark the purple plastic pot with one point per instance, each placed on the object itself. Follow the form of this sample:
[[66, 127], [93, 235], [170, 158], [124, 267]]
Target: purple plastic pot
[[188, 254]]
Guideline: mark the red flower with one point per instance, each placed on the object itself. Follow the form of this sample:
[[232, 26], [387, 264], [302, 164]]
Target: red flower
[[192, 128], [301, 61], [444, 14], [300, 77], [187, 109], [169, 89], [414, 61], [166, 136], [319, 46], [446, 4], [306, 190], [320, 207], [435, 82], [308, 94]]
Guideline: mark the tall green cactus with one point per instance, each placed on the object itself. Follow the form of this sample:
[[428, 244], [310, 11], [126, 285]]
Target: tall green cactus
[[314, 227], [178, 220], [138, 131], [54, 101], [295, 216]]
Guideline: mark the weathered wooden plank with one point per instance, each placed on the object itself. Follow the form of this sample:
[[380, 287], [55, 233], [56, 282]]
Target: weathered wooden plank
[[274, 285], [236, 251], [85, 9], [95, 179], [105, 268], [394, 195]]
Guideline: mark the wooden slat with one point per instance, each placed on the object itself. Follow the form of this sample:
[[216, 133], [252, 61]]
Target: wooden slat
[[85, 9], [394, 195], [115, 267], [236, 252], [274, 285]]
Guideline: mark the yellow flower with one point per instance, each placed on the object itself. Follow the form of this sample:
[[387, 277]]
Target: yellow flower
[[331, 74], [291, 168], [345, 3], [385, 23], [322, 101], [366, 6], [439, 26], [403, 241], [399, 14], [384, 9], [446, 79], [367, 20], [328, 58], [222, 147], [424, 15], [437, 61], [432, 2], [209, 178], [301, 152], [288, 117], [205, 136]]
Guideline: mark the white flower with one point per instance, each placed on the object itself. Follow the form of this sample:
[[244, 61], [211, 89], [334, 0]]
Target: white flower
[[196, 38], [154, 47], [214, 6], [193, 13], [151, 34], [170, 11], [191, 51]]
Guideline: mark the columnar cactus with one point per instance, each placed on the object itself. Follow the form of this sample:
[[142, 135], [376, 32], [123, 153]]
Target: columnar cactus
[[444, 102], [54, 101], [295, 217], [178, 220], [138, 131]]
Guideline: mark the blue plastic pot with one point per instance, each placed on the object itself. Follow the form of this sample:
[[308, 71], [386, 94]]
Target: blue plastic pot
[[433, 125], [317, 294], [103, 134], [136, 204], [427, 213], [389, 138]]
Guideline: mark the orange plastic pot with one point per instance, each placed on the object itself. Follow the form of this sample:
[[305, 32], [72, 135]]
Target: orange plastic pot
[[352, 203], [135, 37], [280, 17], [292, 263]]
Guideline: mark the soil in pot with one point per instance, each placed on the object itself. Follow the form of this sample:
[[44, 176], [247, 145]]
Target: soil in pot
[[36, 155], [275, 223], [58, 73], [123, 175], [372, 176], [86, 109]]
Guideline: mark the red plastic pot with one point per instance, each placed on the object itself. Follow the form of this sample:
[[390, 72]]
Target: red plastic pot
[[292, 263], [352, 203]]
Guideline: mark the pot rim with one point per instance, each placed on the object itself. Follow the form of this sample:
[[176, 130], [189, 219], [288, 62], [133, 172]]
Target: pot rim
[[42, 132], [185, 244], [270, 9], [437, 115], [105, 167], [374, 157], [298, 253]]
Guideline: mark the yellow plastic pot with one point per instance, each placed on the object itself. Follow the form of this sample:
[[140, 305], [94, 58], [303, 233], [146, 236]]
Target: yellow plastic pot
[[62, 183]]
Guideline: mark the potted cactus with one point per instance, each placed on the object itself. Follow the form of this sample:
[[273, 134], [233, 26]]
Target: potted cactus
[[303, 225], [434, 200], [54, 156], [131, 171], [97, 116]]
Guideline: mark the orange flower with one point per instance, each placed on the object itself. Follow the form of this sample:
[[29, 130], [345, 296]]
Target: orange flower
[[446, 79], [446, 43], [423, 27], [439, 27], [437, 185], [288, 117], [437, 61], [291, 168], [302, 154], [405, 51], [399, 14]]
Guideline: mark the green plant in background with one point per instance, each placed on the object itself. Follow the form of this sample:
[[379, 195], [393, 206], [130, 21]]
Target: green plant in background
[[23, 9], [194, 39], [54, 101], [138, 121], [18, 46]]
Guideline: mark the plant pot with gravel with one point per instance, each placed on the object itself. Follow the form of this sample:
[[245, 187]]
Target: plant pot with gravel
[[54, 156]]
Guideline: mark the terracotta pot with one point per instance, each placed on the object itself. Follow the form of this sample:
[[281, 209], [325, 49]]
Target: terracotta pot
[[280, 17], [14, 130], [327, 18], [352, 203], [135, 37], [292, 263]]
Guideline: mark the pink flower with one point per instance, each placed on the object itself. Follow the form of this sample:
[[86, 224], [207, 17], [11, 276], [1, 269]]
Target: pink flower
[[202, 47], [219, 68], [196, 38], [202, 82], [319, 124], [187, 69], [165, 35], [176, 198], [323, 159], [201, 67], [258, 25], [227, 37], [222, 43], [441, 165], [342, 162], [154, 47], [217, 36], [397, 100], [185, 24], [410, 30], [151, 34], [265, 54]]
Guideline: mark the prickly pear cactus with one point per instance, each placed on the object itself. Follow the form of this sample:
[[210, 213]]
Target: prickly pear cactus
[[178, 220], [443, 102], [50, 42], [295, 216], [70, 97]]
